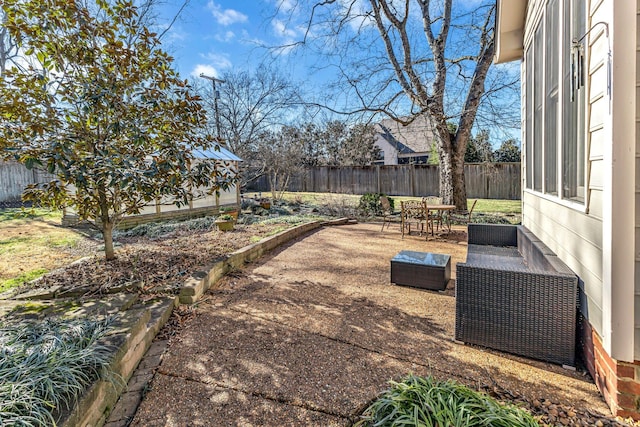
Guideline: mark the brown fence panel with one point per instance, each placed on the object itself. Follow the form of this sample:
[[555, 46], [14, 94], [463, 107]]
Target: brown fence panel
[[394, 181], [319, 180], [14, 177], [506, 183], [426, 180], [493, 180], [483, 180], [475, 180], [364, 180]]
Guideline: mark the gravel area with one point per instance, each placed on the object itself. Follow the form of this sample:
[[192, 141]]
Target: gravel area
[[312, 333]]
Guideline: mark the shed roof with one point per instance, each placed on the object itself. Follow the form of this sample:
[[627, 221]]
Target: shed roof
[[216, 153]]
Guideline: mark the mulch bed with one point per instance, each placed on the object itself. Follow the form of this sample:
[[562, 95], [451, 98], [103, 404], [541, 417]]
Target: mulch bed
[[151, 265]]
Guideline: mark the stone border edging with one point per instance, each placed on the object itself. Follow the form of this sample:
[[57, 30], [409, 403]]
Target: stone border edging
[[99, 403], [95, 405], [199, 282]]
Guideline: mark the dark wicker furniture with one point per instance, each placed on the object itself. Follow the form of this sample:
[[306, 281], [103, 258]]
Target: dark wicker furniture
[[421, 269], [515, 295]]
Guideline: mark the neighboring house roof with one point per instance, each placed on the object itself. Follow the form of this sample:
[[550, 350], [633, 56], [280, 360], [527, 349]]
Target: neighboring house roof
[[219, 153], [414, 138], [510, 30]]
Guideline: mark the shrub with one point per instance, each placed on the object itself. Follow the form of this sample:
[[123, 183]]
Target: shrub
[[370, 204], [423, 401], [160, 229]]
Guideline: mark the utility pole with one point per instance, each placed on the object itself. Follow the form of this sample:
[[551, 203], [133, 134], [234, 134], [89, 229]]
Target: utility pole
[[216, 95]]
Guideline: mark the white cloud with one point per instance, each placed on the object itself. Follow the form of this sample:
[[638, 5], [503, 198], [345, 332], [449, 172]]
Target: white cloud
[[286, 6], [176, 33], [226, 16], [219, 61], [281, 29], [226, 37], [207, 70]]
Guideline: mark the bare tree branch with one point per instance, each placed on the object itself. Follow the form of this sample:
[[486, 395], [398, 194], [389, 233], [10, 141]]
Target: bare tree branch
[[406, 58]]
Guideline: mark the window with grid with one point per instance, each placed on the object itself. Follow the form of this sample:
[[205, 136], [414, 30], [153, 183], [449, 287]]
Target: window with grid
[[555, 103]]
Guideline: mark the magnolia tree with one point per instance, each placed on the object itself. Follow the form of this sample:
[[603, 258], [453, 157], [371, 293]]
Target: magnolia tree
[[99, 106]]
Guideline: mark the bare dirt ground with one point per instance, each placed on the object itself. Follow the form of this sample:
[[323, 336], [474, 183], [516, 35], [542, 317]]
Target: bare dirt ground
[[310, 334]]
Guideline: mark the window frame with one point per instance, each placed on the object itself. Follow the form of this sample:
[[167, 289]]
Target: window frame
[[534, 132]]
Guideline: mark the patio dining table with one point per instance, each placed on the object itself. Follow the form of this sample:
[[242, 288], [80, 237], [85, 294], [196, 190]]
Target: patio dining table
[[440, 210]]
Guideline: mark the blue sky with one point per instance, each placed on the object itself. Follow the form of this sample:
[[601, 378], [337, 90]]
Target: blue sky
[[217, 36], [214, 36]]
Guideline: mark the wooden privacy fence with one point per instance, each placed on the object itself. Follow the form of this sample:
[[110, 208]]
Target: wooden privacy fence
[[14, 177], [483, 180]]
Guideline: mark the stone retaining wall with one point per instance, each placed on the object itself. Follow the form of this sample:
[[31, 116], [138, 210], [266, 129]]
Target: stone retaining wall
[[141, 324]]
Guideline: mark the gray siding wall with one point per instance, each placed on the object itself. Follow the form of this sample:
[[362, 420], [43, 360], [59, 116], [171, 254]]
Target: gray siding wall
[[575, 232], [637, 196]]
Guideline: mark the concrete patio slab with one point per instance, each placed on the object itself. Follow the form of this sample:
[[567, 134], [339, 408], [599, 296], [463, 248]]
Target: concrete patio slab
[[316, 327]]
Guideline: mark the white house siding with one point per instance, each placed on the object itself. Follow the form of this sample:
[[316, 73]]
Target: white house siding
[[637, 195], [389, 151], [597, 110], [577, 239], [575, 232], [596, 240]]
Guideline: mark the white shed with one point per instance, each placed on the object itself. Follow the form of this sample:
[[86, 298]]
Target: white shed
[[202, 204]]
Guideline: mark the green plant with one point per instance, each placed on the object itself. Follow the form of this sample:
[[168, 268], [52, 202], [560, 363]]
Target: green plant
[[424, 401], [115, 77], [21, 279], [45, 366], [370, 204], [11, 214], [225, 217]]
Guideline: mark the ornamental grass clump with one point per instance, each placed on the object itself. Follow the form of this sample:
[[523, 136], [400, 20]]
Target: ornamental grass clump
[[45, 367], [424, 401]]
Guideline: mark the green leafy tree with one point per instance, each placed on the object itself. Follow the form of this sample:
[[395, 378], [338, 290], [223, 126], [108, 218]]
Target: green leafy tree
[[509, 151], [8, 47], [100, 107], [358, 148], [479, 148], [281, 154]]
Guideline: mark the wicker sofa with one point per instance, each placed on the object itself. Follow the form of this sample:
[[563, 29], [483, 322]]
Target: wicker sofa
[[515, 295]]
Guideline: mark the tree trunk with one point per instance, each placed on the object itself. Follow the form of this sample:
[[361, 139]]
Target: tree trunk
[[106, 225], [451, 157], [458, 181], [445, 176], [107, 235], [273, 180]]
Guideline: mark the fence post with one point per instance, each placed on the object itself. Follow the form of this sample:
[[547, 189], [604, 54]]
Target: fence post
[[378, 178], [413, 180]]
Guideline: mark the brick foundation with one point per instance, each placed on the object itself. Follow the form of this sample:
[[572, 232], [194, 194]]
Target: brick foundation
[[619, 382]]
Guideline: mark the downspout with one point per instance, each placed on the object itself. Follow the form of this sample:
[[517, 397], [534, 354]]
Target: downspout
[[618, 294]]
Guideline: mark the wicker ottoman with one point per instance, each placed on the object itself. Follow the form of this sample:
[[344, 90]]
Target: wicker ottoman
[[421, 269]]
